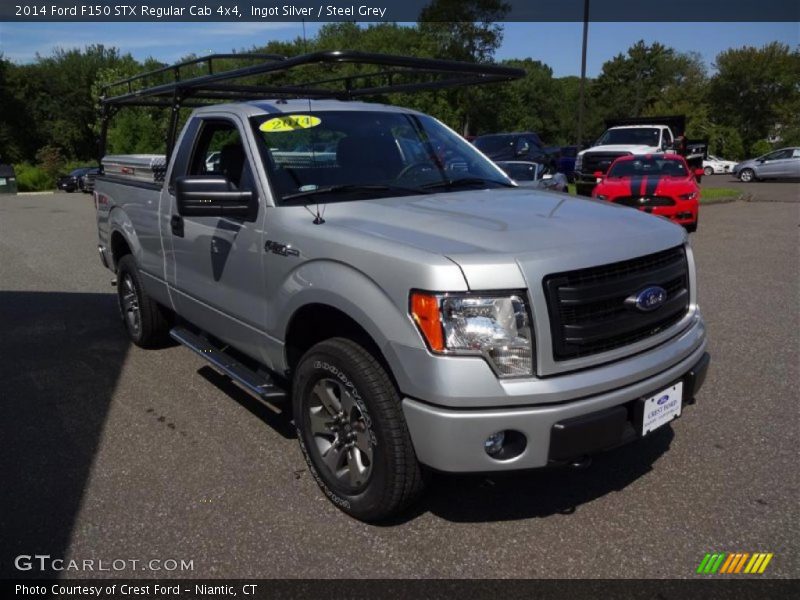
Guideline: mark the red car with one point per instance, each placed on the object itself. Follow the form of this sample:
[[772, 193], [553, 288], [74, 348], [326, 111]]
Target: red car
[[661, 184]]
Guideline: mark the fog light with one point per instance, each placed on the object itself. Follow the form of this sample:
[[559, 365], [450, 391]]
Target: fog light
[[494, 443]]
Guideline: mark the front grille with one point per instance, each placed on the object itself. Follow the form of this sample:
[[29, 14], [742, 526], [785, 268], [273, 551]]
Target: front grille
[[587, 308], [644, 201], [600, 161]]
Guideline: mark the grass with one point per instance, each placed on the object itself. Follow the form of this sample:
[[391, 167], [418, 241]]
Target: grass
[[714, 195], [708, 195]]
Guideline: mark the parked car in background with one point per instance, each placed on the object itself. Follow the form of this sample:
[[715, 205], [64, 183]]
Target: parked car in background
[[513, 146], [713, 164], [72, 182], [780, 164], [534, 175], [660, 184]]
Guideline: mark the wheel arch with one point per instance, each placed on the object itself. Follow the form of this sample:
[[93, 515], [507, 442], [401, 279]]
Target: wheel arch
[[316, 322], [123, 239]]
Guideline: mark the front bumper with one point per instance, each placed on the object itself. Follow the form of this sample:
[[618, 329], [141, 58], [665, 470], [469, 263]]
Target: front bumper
[[684, 212], [453, 440]]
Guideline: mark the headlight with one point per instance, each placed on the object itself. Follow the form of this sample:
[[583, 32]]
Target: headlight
[[495, 327], [689, 196]]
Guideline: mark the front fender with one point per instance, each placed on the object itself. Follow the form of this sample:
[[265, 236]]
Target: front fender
[[341, 286]]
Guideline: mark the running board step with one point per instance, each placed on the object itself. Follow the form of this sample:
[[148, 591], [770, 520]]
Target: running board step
[[256, 383]]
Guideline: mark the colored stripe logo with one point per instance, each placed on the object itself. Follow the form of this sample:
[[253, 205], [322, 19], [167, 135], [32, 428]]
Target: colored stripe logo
[[734, 563]]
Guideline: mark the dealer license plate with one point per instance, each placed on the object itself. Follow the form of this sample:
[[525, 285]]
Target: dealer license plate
[[661, 408]]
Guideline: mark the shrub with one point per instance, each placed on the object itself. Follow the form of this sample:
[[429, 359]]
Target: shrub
[[33, 179], [760, 147]]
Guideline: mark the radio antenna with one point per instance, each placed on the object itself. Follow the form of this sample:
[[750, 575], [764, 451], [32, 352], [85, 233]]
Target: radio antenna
[[318, 220]]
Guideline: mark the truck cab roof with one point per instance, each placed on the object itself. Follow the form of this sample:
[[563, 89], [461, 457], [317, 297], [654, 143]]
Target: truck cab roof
[[267, 106]]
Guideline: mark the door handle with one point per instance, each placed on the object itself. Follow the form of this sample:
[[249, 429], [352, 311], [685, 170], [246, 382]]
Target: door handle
[[176, 223]]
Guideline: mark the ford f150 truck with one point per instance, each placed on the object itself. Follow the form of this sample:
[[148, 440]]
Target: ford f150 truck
[[640, 136], [414, 308]]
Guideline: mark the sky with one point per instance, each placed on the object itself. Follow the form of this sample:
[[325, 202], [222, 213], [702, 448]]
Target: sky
[[555, 44]]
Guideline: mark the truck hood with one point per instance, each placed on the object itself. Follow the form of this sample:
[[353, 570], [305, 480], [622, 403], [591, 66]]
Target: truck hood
[[622, 148], [487, 231]]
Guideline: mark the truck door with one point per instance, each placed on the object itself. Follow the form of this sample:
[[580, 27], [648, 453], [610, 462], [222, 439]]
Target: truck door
[[217, 282]]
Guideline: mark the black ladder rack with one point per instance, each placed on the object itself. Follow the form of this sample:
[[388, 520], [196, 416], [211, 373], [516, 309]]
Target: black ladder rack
[[393, 74]]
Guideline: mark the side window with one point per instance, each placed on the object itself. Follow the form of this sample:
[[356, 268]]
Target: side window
[[796, 153], [778, 155], [219, 151], [667, 141]]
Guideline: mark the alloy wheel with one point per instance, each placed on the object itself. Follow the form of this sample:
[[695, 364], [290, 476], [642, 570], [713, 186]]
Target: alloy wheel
[[340, 434]]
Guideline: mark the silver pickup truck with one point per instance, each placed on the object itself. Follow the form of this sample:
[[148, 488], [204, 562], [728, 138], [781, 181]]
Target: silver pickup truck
[[417, 308]]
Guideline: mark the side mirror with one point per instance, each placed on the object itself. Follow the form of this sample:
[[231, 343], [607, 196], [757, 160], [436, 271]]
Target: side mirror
[[212, 196], [598, 174]]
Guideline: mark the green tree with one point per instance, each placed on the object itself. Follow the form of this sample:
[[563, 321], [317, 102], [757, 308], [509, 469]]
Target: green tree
[[650, 80], [466, 30], [757, 91]]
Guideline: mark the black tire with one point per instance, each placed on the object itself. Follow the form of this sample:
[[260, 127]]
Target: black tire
[[393, 478], [747, 175], [150, 328], [691, 227], [584, 189], [708, 171]]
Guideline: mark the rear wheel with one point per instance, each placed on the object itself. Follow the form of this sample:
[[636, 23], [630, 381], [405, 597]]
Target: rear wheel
[[708, 171], [691, 227], [747, 175], [352, 431], [145, 321]]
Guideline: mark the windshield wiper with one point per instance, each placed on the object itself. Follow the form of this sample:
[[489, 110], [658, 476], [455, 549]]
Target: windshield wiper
[[353, 187], [465, 181]]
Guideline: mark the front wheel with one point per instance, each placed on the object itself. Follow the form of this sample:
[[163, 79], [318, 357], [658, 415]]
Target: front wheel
[[352, 431], [708, 171], [747, 175]]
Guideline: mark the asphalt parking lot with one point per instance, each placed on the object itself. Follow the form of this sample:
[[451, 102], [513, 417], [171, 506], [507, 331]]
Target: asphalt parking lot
[[113, 452]]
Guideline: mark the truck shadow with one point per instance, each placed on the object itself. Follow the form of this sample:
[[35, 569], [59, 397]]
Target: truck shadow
[[539, 493], [278, 418], [62, 354]]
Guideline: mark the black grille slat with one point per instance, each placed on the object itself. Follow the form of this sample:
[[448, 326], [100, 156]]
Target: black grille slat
[[594, 292], [600, 161], [587, 307], [644, 201], [589, 333]]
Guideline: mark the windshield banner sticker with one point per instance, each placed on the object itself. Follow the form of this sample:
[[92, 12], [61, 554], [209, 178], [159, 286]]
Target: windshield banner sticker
[[289, 123]]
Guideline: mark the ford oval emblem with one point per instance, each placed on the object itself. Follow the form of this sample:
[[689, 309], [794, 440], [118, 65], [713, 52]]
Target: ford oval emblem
[[648, 299], [662, 400]]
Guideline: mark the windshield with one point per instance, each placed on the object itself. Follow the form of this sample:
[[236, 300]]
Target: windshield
[[670, 167], [639, 136], [349, 155]]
